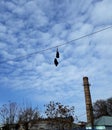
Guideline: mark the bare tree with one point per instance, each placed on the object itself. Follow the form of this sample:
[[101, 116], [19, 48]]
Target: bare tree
[[11, 113], [28, 114], [58, 113], [58, 110], [8, 113], [102, 108], [109, 106]]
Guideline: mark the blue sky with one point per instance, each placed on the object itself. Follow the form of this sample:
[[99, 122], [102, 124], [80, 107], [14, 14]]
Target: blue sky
[[29, 26]]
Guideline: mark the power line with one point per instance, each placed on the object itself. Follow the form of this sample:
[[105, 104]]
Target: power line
[[59, 45]]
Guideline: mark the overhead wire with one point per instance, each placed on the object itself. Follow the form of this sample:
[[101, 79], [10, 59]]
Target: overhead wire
[[59, 45]]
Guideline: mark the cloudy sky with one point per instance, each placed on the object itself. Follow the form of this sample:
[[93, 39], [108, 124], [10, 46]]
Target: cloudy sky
[[31, 30]]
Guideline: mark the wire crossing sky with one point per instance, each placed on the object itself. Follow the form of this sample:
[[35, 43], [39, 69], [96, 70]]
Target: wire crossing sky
[[30, 33], [59, 45]]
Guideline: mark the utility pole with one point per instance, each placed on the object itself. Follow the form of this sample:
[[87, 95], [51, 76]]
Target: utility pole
[[89, 109]]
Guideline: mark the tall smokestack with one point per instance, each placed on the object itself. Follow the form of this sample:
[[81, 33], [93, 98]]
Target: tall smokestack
[[89, 110]]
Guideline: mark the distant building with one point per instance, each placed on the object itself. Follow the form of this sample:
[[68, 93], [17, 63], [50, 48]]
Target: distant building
[[79, 126], [42, 124], [102, 123], [9, 127]]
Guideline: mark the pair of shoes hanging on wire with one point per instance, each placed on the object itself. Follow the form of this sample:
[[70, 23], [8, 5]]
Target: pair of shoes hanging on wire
[[55, 59]]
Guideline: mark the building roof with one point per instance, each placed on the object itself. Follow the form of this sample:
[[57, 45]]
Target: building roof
[[103, 121]]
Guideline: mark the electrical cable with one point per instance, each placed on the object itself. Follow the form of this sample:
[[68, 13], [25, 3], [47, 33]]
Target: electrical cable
[[59, 45]]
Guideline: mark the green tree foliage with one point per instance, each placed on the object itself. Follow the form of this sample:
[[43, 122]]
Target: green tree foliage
[[102, 108]]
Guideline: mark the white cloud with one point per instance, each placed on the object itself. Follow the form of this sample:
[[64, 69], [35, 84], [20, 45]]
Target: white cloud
[[32, 26], [101, 13]]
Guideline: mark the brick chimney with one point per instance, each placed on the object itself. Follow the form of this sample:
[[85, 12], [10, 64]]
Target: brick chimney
[[89, 110]]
